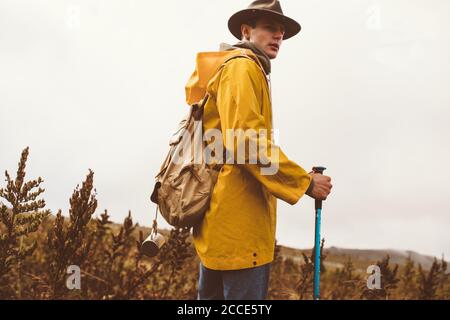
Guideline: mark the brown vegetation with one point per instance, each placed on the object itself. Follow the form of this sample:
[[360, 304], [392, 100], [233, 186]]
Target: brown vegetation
[[36, 249]]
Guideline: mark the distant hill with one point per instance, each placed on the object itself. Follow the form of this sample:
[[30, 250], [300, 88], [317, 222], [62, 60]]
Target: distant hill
[[361, 258]]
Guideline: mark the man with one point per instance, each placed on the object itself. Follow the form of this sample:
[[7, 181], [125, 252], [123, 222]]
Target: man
[[236, 239]]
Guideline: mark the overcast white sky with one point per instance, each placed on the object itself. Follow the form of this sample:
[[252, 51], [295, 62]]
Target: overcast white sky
[[363, 90]]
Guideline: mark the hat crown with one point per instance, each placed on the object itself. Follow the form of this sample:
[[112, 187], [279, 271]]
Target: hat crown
[[263, 8], [272, 5]]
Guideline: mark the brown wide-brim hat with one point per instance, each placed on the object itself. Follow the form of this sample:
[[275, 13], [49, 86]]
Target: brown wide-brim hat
[[263, 8]]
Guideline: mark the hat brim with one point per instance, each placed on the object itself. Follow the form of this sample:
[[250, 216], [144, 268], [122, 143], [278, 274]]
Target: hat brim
[[291, 26]]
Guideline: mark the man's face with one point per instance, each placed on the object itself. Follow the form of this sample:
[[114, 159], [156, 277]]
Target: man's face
[[267, 34]]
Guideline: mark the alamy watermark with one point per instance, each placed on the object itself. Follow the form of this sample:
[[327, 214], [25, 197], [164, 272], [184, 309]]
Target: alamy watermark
[[374, 280], [73, 281], [73, 17]]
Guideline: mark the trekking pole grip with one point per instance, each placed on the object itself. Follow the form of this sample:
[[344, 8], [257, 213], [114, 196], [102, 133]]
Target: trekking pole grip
[[319, 170]]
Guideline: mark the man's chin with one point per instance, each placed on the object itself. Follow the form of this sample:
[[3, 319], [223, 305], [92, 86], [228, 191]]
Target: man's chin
[[271, 54]]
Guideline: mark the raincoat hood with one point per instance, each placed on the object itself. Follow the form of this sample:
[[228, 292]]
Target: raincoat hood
[[208, 63]]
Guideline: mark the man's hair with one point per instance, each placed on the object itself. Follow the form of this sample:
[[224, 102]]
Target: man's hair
[[252, 22]]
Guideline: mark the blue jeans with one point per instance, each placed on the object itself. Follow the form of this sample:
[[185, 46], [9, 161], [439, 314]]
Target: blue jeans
[[243, 284]]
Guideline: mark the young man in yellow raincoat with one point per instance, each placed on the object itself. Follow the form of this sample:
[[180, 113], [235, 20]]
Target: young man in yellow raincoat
[[236, 239]]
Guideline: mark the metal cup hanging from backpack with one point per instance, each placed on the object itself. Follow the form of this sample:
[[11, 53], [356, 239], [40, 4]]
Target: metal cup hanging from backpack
[[151, 246]]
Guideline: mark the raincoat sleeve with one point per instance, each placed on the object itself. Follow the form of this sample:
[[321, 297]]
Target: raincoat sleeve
[[239, 96]]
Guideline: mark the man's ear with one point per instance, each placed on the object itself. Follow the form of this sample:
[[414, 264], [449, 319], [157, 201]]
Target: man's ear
[[245, 32]]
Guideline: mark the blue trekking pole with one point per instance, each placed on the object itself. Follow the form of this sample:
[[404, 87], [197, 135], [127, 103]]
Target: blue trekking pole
[[318, 206]]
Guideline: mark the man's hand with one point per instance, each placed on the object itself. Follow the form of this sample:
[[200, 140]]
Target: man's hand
[[320, 186]]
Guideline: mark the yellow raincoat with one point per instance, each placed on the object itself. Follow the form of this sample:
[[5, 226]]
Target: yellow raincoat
[[238, 230]]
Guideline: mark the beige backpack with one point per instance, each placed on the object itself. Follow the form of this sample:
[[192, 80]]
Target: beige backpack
[[183, 187]]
